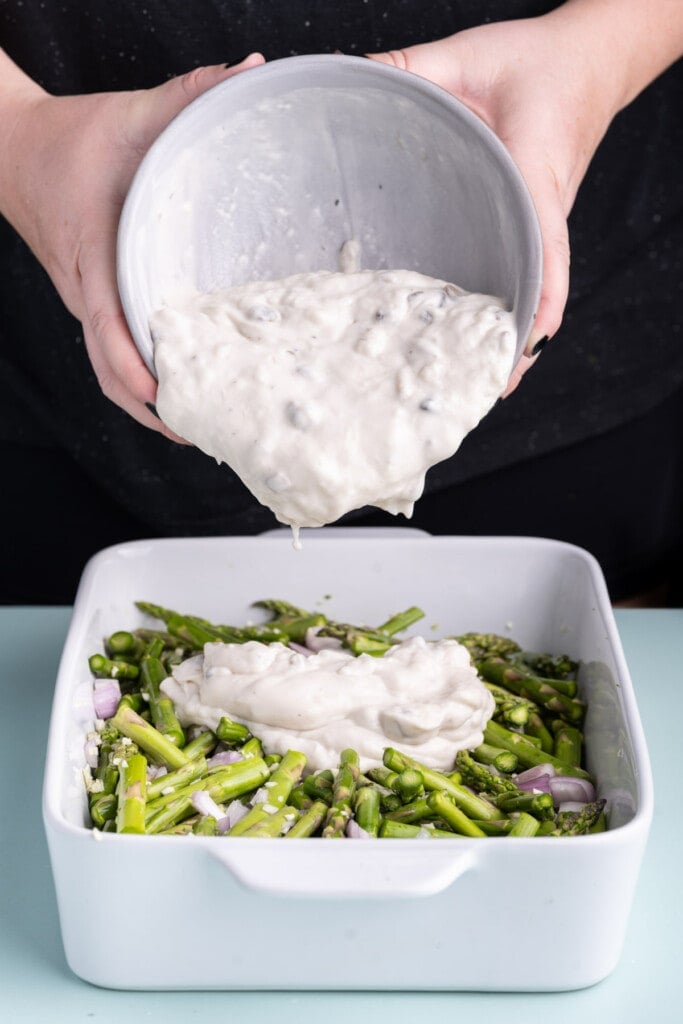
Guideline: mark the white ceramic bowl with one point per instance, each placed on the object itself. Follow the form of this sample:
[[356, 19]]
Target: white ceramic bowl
[[269, 173], [526, 914]]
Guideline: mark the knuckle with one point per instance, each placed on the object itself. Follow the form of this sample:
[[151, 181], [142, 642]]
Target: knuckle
[[192, 82]]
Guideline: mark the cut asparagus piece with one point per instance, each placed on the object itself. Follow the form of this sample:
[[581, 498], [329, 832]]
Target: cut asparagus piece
[[480, 777], [275, 791], [400, 830], [309, 822], [367, 809], [497, 670], [108, 668], [528, 753], [525, 825], [474, 806], [174, 781], [504, 760], [339, 812], [152, 674], [568, 744], [154, 743], [131, 795], [273, 825]]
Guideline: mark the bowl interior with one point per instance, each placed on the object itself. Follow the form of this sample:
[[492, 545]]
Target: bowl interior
[[269, 173]]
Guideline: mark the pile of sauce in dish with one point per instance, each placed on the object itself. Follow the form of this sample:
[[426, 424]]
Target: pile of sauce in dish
[[424, 697], [327, 391]]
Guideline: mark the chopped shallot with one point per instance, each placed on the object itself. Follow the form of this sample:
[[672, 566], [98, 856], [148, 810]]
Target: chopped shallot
[[206, 805], [354, 831], [106, 697], [235, 811], [225, 757], [566, 787], [321, 643], [534, 773], [300, 649]]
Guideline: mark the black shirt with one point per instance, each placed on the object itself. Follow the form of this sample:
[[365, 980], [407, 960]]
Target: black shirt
[[618, 354]]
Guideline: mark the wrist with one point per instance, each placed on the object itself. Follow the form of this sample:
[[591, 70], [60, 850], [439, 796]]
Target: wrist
[[628, 42], [18, 96]]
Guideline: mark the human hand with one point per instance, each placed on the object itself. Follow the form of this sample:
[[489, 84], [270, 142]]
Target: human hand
[[63, 181], [541, 90]]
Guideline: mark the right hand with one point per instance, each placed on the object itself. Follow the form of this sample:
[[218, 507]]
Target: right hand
[[63, 180]]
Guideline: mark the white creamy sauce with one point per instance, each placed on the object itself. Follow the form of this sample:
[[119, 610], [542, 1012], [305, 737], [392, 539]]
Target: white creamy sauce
[[327, 392], [422, 697]]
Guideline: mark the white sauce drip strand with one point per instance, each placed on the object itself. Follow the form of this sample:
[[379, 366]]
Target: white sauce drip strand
[[422, 697], [326, 392]]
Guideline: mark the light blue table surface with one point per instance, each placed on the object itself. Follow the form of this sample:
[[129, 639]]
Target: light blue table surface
[[37, 985]]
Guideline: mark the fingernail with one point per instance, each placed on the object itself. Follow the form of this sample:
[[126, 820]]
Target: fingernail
[[153, 409], [539, 346], [233, 63]]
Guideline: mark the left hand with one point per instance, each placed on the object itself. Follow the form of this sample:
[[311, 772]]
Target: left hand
[[545, 99]]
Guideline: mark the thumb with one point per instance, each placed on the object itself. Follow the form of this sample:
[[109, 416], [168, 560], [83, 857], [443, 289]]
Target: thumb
[[429, 60], [152, 109]]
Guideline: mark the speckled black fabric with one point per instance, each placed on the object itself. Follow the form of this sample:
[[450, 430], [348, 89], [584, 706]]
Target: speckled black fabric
[[619, 352]]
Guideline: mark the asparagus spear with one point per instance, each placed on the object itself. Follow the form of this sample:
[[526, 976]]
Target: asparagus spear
[[383, 776], [568, 742], [576, 823], [472, 805], [309, 822], [273, 825], [397, 623], [408, 784], [152, 675], [525, 825], [108, 668], [367, 809], [274, 793], [503, 760], [537, 727], [320, 786], [154, 743], [252, 817], [501, 827], [299, 799], [498, 671], [417, 810], [527, 752], [174, 781], [200, 746], [540, 805], [339, 813], [400, 830], [124, 644], [551, 666], [131, 795], [252, 748], [103, 808], [487, 645], [232, 732], [443, 806], [206, 825], [480, 778]]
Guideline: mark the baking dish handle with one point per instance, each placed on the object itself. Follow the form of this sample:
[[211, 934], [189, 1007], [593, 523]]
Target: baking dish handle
[[361, 869]]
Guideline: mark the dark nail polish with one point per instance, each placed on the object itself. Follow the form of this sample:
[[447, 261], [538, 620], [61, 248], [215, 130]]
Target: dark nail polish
[[540, 345], [153, 409]]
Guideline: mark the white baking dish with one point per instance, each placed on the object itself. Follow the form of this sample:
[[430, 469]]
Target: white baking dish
[[204, 912]]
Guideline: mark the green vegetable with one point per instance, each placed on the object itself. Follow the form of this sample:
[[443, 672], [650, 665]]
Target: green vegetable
[[536, 720]]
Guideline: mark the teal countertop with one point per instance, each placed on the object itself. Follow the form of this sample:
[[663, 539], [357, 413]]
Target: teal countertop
[[36, 984]]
